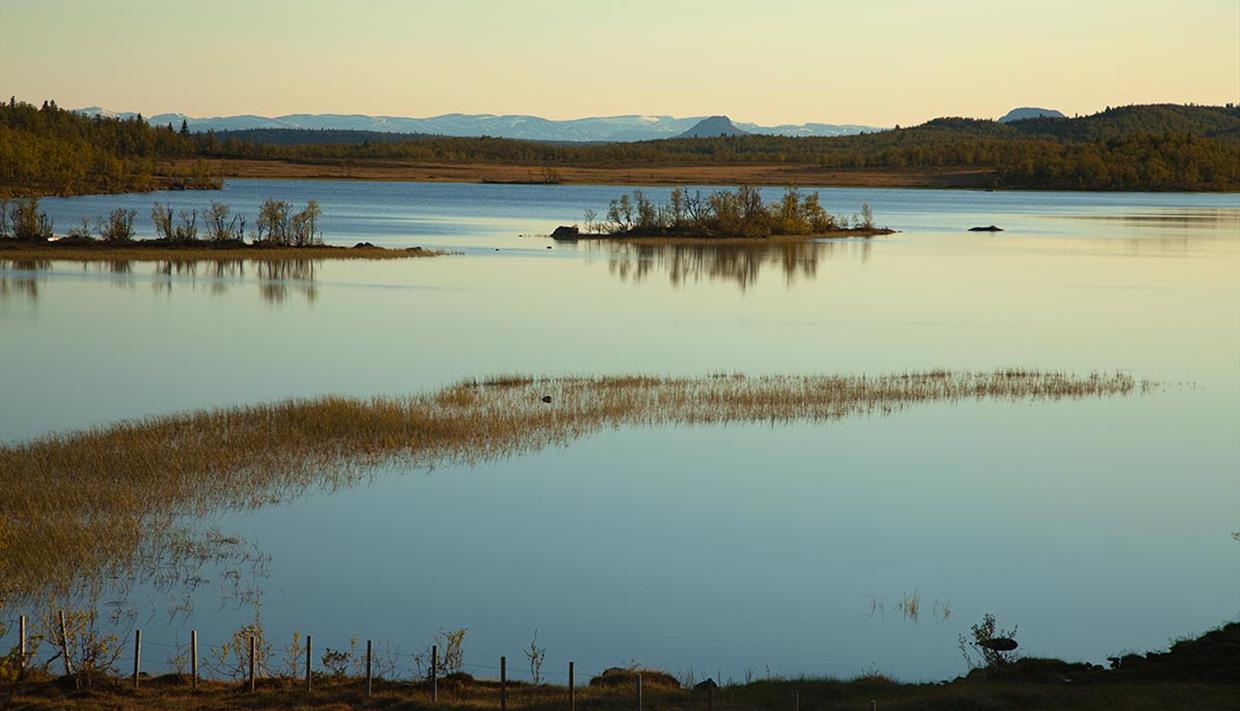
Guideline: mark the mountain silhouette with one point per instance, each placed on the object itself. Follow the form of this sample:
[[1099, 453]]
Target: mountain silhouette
[[713, 127], [1028, 112]]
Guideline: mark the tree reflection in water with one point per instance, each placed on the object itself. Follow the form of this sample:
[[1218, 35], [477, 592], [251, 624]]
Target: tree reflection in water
[[740, 264], [277, 279]]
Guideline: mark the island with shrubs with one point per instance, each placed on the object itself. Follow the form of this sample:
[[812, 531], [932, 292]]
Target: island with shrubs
[[216, 232], [739, 216]]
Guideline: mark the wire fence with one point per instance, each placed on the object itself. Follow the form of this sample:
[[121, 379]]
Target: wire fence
[[249, 659]]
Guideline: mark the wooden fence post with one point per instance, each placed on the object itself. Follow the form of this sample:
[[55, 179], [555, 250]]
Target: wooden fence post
[[64, 644], [137, 655], [503, 684], [796, 701], [434, 673], [253, 683], [369, 677], [572, 691], [639, 691], [193, 658], [710, 698], [309, 678], [21, 633]]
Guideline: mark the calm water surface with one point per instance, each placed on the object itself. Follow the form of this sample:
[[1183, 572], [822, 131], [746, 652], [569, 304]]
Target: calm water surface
[[1096, 526]]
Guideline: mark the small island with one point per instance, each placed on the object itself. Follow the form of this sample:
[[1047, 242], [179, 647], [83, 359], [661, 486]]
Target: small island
[[737, 216], [217, 233]]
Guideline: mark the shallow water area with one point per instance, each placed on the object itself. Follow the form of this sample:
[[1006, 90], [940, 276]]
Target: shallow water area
[[1097, 526]]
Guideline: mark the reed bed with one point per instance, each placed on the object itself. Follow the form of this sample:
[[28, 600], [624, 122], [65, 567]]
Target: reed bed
[[81, 503]]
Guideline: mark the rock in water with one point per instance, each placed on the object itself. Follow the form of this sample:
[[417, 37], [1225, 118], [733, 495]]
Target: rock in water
[[999, 644]]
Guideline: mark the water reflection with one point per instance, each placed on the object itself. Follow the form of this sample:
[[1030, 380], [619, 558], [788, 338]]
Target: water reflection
[[24, 283], [1196, 217], [277, 279], [739, 264]]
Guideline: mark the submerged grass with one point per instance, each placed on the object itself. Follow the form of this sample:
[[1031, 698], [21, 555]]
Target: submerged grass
[[81, 503]]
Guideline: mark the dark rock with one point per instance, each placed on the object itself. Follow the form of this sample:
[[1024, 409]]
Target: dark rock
[[704, 685], [363, 245], [566, 232], [991, 228], [999, 644], [413, 249], [546, 398]]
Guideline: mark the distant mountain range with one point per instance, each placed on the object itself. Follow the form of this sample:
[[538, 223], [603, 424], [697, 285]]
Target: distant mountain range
[[600, 129], [1029, 112]]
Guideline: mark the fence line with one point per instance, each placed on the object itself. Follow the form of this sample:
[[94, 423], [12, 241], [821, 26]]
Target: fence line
[[253, 667]]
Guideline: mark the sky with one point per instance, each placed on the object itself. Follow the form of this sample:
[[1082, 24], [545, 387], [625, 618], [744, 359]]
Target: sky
[[874, 62]]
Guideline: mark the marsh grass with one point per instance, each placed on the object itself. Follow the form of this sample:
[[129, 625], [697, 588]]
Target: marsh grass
[[80, 504]]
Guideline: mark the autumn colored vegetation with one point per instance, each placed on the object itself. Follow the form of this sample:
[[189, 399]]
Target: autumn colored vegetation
[[1150, 147], [724, 214], [47, 150], [51, 151]]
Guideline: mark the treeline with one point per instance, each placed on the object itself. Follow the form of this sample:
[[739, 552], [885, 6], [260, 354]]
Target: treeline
[[1155, 147], [47, 150], [277, 224], [722, 213], [1159, 147]]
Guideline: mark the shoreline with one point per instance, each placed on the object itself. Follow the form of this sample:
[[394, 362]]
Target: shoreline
[[708, 241], [781, 175], [1197, 672], [158, 250], [806, 176]]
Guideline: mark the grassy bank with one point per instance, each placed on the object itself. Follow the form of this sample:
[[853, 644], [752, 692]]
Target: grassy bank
[[1202, 674], [82, 503], [198, 250], [172, 692]]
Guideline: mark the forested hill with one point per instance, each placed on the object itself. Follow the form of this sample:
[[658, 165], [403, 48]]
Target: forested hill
[[47, 150], [1211, 121], [1152, 147]]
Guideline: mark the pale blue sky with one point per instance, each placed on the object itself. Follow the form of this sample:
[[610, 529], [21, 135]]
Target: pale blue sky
[[878, 62]]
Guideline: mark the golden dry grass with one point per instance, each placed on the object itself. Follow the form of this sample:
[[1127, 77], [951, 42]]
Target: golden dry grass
[[81, 503], [688, 174]]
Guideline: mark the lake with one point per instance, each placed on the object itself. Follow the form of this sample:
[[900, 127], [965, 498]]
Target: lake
[[1097, 526]]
